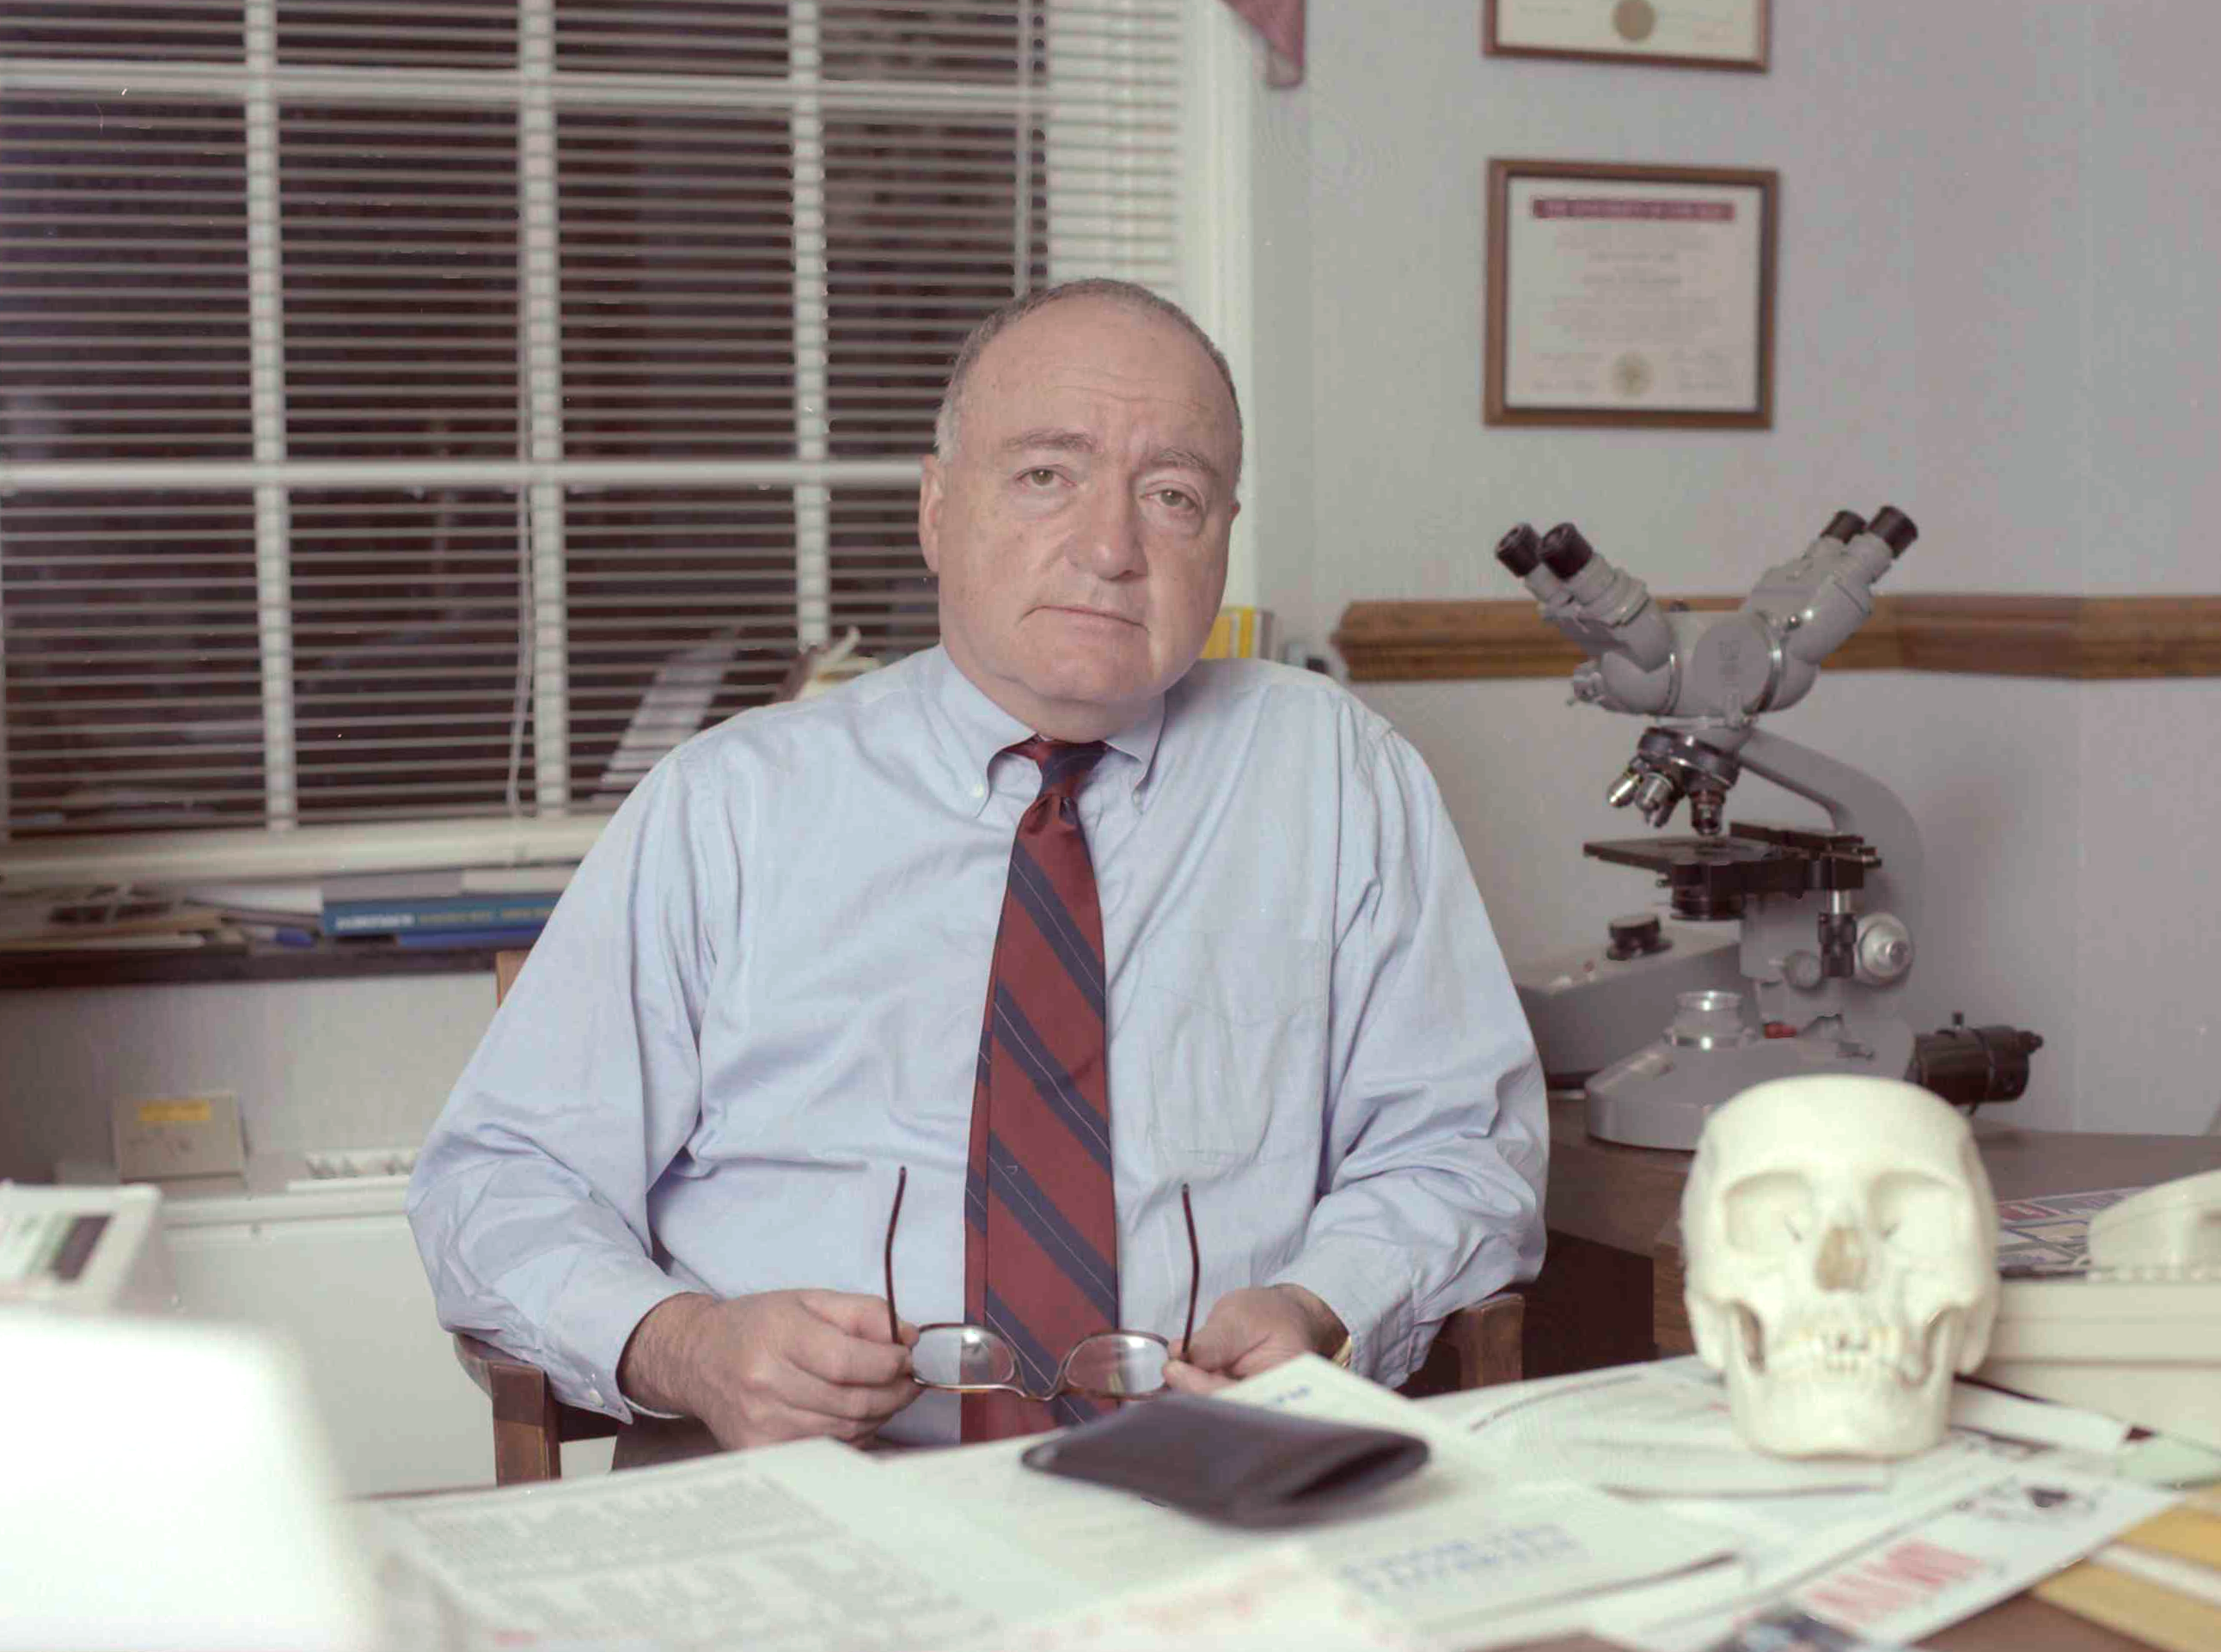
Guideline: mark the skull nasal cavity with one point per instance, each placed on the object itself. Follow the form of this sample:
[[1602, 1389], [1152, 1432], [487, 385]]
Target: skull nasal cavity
[[1842, 1263]]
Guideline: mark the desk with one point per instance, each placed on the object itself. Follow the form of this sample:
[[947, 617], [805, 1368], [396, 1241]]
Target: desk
[[1610, 1290]]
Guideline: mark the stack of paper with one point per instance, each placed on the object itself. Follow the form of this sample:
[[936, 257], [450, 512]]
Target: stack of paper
[[102, 918], [1922, 1544]]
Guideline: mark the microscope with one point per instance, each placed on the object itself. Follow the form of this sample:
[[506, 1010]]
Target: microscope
[[1813, 977]]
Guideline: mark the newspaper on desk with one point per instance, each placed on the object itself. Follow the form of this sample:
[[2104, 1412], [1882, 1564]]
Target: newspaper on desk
[[1938, 1537], [1263, 1602], [1457, 1554], [808, 1547], [1496, 1540]]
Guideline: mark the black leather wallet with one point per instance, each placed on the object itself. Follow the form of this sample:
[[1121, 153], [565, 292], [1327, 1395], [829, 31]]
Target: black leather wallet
[[1226, 1460]]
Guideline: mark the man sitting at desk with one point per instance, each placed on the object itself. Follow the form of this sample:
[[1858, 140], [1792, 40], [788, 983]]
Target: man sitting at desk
[[1240, 951]]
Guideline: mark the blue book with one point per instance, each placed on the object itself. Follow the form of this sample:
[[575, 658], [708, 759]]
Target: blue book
[[508, 936], [398, 916]]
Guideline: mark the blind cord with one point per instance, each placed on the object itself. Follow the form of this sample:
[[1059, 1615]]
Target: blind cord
[[526, 595]]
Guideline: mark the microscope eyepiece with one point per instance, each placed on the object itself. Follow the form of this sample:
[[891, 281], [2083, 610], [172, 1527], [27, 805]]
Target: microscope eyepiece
[[1893, 529], [1844, 527], [1564, 552], [1519, 551]]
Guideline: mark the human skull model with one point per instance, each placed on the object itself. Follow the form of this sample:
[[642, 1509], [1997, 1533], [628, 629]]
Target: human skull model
[[1840, 1242]]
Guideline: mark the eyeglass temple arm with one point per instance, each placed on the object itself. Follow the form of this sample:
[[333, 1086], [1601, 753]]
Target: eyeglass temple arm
[[894, 1324], [1194, 1265]]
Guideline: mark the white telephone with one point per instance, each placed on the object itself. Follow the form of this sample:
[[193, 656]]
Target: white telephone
[[2139, 1335], [92, 1248]]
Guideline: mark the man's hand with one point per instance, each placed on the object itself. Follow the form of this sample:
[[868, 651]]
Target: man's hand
[[784, 1365], [1251, 1331]]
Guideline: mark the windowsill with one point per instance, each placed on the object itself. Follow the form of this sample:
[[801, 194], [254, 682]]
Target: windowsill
[[326, 961]]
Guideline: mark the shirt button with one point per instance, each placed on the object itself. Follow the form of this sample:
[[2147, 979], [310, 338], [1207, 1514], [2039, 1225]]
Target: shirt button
[[979, 790], [594, 1395]]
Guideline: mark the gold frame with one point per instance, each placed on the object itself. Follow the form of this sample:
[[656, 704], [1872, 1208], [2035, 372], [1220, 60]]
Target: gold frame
[[1491, 45]]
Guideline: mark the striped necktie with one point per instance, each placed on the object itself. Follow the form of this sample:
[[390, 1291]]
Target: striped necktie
[[1041, 1252]]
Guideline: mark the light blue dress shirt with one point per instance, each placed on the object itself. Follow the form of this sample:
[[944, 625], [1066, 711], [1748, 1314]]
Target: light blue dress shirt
[[763, 992]]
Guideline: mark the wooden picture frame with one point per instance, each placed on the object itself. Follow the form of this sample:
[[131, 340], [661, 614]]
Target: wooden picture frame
[[1663, 34], [1627, 295]]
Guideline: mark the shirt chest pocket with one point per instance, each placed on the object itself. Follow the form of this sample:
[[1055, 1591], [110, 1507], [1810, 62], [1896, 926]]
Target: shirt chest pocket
[[1231, 1024]]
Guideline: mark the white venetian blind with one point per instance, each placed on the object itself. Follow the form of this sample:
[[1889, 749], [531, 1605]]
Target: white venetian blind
[[430, 410]]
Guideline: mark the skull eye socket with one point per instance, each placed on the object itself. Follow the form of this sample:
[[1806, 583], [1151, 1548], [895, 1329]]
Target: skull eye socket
[[1769, 1212], [1915, 1214]]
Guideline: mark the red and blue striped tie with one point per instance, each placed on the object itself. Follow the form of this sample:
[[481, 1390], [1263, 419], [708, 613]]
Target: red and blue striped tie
[[1041, 1252]]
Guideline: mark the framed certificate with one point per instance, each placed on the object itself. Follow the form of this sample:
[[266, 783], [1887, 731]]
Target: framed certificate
[[1629, 295], [1675, 34]]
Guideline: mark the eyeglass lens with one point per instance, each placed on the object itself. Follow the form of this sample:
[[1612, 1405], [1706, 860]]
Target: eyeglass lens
[[1107, 1365]]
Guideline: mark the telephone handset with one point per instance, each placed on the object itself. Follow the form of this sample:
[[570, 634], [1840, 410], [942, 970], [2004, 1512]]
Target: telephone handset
[[2138, 1336]]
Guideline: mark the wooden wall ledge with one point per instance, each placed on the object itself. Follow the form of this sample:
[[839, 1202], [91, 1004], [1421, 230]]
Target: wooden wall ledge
[[2083, 638]]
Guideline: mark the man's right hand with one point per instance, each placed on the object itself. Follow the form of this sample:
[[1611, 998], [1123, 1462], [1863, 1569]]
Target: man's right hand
[[784, 1365]]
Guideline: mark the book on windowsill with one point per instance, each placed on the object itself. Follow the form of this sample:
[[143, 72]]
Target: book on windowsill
[[1241, 633], [500, 938], [405, 916]]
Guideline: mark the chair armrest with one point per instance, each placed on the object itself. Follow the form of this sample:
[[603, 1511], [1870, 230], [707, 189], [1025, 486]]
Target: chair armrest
[[492, 1370], [1476, 1347], [1485, 1339], [521, 1393]]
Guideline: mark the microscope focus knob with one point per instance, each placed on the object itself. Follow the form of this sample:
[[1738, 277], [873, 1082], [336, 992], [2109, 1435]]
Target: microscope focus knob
[[1635, 937], [1885, 949]]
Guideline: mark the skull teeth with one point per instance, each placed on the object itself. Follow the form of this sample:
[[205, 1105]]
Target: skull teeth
[[1837, 1350], [1840, 1349]]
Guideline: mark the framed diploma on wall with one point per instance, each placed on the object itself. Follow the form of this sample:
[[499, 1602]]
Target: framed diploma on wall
[[1629, 295], [1672, 33]]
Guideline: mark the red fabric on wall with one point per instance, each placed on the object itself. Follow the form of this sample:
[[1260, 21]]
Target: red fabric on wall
[[1281, 23]]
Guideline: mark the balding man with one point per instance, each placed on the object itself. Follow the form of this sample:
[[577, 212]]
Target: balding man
[[1060, 932]]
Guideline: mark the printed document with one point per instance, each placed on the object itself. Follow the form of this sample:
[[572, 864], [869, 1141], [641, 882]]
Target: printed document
[[1266, 1602], [1906, 1582], [806, 1546]]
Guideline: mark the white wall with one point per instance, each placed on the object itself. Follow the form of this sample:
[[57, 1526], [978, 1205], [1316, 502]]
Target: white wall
[[1999, 229], [314, 1064]]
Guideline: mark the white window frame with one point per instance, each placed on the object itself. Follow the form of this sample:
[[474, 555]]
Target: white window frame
[[1219, 93]]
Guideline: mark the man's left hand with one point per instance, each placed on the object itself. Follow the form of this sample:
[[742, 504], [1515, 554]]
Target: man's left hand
[[1251, 1331]]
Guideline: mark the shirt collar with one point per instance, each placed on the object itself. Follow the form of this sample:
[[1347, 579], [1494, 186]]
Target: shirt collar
[[971, 729]]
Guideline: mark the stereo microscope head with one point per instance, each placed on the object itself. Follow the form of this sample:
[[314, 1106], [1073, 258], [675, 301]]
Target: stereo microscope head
[[1706, 677]]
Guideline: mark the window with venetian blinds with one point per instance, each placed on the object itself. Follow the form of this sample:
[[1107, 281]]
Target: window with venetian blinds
[[419, 410]]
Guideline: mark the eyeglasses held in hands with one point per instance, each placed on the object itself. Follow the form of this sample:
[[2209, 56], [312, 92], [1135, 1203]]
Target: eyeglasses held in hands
[[963, 1359]]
